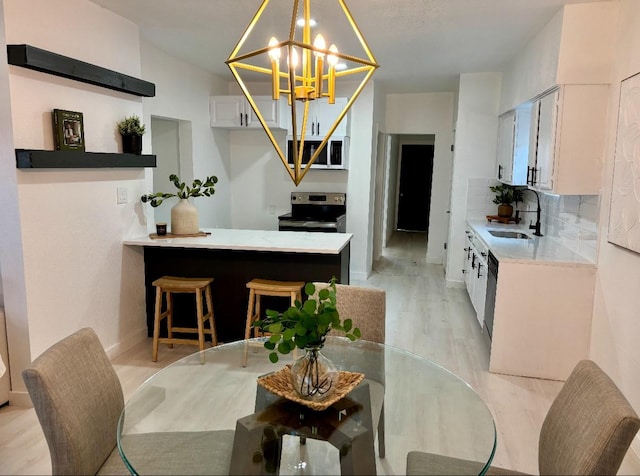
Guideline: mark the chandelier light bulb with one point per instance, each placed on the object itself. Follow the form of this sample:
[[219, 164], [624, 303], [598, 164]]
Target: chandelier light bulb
[[293, 60], [320, 44], [274, 53], [333, 59]]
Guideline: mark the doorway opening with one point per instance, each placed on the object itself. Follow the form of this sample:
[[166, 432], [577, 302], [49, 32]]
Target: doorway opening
[[414, 187], [172, 145]]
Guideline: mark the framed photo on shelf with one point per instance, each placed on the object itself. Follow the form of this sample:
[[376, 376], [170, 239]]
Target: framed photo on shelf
[[68, 130]]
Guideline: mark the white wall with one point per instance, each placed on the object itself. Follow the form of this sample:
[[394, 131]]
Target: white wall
[[615, 327], [76, 271], [474, 156], [360, 189], [11, 250], [574, 47], [428, 113], [70, 228], [204, 151]]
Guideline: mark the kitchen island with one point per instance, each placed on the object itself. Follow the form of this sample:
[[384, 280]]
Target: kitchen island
[[233, 258]]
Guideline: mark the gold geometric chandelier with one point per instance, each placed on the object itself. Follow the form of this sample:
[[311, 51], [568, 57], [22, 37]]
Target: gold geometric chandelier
[[306, 72]]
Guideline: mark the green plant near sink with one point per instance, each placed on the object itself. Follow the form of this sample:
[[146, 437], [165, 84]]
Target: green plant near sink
[[505, 195]]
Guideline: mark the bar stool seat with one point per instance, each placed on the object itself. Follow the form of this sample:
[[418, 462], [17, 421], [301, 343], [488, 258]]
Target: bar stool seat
[[266, 287], [166, 286]]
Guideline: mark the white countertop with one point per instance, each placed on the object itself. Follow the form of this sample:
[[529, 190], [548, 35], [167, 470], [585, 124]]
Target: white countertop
[[540, 250], [254, 240]]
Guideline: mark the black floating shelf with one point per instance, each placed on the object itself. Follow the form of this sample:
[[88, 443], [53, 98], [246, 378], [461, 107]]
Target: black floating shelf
[[44, 61], [59, 159]]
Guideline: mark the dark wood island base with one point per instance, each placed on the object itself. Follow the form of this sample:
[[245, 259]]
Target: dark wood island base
[[233, 268]]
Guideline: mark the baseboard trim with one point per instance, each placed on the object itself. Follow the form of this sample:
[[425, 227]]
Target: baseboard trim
[[358, 276], [20, 398], [124, 345], [635, 447], [454, 283]]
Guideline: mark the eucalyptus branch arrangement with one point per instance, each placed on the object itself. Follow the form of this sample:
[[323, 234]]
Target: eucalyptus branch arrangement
[[305, 324], [198, 188]]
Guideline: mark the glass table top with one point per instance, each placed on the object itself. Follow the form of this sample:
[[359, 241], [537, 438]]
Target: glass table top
[[167, 424]]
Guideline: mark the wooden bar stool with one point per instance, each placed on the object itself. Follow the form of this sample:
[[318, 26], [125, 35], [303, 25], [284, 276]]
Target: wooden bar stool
[[266, 287], [167, 285]]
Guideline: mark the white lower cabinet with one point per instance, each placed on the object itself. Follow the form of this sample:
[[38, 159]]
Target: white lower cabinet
[[475, 273], [542, 319]]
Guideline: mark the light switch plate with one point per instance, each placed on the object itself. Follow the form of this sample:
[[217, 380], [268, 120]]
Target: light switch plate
[[122, 195]]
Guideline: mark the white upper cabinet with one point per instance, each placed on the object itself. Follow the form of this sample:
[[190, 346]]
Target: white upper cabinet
[[566, 143], [321, 117], [513, 145], [506, 142], [231, 112]]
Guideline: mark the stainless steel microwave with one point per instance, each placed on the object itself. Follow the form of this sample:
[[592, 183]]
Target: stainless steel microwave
[[333, 156]]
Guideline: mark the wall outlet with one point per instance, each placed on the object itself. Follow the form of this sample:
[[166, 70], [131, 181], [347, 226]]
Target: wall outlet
[[122, 195]]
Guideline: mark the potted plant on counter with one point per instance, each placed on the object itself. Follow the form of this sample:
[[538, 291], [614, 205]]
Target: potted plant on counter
[[131, 130], [305, 326], [184, 215], [505, 196]]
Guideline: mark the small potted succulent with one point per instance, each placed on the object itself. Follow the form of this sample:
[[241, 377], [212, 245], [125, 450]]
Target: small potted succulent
[[505, 196], [305, 326], [184, 215], [131, 130]]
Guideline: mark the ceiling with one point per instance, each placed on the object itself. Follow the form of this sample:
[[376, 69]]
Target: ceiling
[[421, 45]]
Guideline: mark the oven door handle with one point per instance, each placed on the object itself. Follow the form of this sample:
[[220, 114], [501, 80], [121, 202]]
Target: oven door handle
[[310, 224]]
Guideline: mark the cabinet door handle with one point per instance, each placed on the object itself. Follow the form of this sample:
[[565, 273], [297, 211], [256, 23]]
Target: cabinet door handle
[[529, 174], [483, 254], [241, 120], [479, 266], [318, 128], [499, 171], [246, 120], [473, 261], [534, 176], [313, 128], [464, 271]]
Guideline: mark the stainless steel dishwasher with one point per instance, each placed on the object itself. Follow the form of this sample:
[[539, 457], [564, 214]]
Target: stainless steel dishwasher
[[492, 282]]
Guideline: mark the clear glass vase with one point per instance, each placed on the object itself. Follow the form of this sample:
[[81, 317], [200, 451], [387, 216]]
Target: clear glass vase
[[314, 376]]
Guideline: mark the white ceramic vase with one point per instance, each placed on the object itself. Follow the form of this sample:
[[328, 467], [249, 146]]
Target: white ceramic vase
[[184, 218]]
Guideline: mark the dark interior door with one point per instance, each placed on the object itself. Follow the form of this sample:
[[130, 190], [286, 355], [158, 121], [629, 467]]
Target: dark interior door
[[414, 200]]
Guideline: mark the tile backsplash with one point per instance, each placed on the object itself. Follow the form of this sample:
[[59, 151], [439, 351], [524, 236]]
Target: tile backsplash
[[569, 219]]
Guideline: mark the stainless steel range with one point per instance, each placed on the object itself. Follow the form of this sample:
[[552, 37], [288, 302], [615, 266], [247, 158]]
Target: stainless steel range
[[316, 211]]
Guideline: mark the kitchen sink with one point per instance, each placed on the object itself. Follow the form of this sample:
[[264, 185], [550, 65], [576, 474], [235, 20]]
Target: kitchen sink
[[509, 234]]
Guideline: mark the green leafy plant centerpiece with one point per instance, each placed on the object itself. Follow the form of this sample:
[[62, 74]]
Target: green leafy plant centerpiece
[[198, 188], [305, 326]]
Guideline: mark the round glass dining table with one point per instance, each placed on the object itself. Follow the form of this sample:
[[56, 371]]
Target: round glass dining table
[[206, 414]]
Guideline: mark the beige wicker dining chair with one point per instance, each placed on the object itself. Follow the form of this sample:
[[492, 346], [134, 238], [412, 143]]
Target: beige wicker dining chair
[[366, 307], [78, 399], [587, 431]]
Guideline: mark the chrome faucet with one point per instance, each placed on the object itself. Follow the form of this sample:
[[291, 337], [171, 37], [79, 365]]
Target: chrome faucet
[[532, 226]]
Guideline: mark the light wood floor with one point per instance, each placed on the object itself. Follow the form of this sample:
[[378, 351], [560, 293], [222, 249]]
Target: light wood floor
[[423, 316]]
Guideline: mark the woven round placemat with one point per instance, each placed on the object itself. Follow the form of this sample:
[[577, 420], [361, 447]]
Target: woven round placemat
[[279, 383]]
